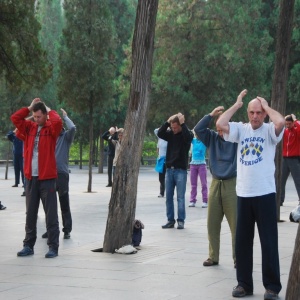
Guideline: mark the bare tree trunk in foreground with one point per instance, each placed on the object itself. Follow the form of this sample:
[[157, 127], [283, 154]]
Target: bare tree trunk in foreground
[[123, 197]]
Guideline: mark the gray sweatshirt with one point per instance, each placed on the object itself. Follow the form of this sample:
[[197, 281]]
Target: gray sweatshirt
[[222, 154], [63, 145]]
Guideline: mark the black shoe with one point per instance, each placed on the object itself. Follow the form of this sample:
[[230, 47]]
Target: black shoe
[[23, 195], [2, 207], [15, 185], [110, 184], [239, 292], [51, 253], [67, 235], [25, 251], [180, 225], [168, 225], [45, 235], [270, 295]]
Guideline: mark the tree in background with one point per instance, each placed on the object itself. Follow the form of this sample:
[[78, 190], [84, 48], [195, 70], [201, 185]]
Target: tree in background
[[206, 52], [50, 16], [87, 61], [123, 197], [23, 62]]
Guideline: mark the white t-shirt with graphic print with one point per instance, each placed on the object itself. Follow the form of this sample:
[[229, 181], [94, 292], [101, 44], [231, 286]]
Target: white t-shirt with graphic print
[[255, 158]]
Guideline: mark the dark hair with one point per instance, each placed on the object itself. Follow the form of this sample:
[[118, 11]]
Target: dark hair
[[289, 118], [39, 106], [175, 120]]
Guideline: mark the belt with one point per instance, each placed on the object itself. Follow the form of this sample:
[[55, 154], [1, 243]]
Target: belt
[[174, 168]]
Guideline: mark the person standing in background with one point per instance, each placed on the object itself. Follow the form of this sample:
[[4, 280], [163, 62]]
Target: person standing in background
[[291, 154], [107, 135], [17, 156], [62, 151], [179, 140], [222, 199], [117, 145], [162, 150], [198, 168]]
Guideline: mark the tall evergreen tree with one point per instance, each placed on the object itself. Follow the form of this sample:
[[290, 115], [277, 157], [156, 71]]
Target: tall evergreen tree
[[50, 16], [22, 60], [87, 60], [206, 52]]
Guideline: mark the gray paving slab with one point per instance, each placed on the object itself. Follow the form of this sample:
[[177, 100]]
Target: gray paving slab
[[168, 265]]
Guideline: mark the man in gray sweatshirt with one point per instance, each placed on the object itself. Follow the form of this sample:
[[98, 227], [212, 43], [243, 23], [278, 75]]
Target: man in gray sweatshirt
[[63, 144], [222, 195]]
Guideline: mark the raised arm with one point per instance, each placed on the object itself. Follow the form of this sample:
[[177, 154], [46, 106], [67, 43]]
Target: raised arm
[[274, 115], [223, 121]]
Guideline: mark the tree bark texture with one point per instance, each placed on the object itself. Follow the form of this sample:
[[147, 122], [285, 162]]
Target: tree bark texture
[[293, 286], [124, 191], [101, 155], [91, 139], [279, 89]]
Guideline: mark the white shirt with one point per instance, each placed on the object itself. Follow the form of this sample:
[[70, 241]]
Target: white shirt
[[255, 158]]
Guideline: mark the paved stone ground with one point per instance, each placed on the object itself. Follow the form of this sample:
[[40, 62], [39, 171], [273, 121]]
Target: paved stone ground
[[168, 265]]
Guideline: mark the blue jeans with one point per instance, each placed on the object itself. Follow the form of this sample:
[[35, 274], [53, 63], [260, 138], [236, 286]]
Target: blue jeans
[[175, 178]]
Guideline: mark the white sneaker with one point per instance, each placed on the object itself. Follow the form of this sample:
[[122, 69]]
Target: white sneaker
[[192, 204], [160, 196], [204, 204]]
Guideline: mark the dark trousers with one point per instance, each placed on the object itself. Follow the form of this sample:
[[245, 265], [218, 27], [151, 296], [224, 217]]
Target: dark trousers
[[46, 191], [62, 187], [109, 168], [262, 211], [162, 181], [18, 168], [290, 165]]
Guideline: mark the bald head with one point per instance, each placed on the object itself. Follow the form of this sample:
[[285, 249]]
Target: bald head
[[112, 130], [256, 113]]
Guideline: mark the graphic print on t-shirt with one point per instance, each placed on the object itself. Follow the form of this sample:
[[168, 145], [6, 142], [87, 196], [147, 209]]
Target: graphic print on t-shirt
[[251, 150]]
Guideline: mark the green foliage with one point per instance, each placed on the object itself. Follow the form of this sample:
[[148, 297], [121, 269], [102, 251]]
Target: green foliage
[[149, 149], [207, 52], [22, 60], [75, 152]]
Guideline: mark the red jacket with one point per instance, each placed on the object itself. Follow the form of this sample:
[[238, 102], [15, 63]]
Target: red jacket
[[291, 141], [47, 142]]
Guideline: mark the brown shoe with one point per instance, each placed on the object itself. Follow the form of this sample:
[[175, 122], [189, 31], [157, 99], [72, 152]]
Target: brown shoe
[[209, 262]]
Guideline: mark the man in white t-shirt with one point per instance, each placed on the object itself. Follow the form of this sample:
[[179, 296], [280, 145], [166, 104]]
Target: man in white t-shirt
[[256, 192]]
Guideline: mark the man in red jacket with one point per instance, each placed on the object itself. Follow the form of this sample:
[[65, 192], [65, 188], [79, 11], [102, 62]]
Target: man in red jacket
[[40, 171], [291, 154]]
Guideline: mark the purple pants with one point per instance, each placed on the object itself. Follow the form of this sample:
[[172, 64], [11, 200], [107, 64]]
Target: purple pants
[[195, 171]]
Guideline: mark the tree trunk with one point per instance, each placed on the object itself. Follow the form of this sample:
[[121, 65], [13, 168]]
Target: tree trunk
[[81, 152], [123, 197], [101, 152], [91, 139], [293, 286], [279, 94]]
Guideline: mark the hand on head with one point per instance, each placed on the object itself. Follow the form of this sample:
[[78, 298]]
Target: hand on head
[[263, 102], [34, 101], [217, 111], [63, 112]]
